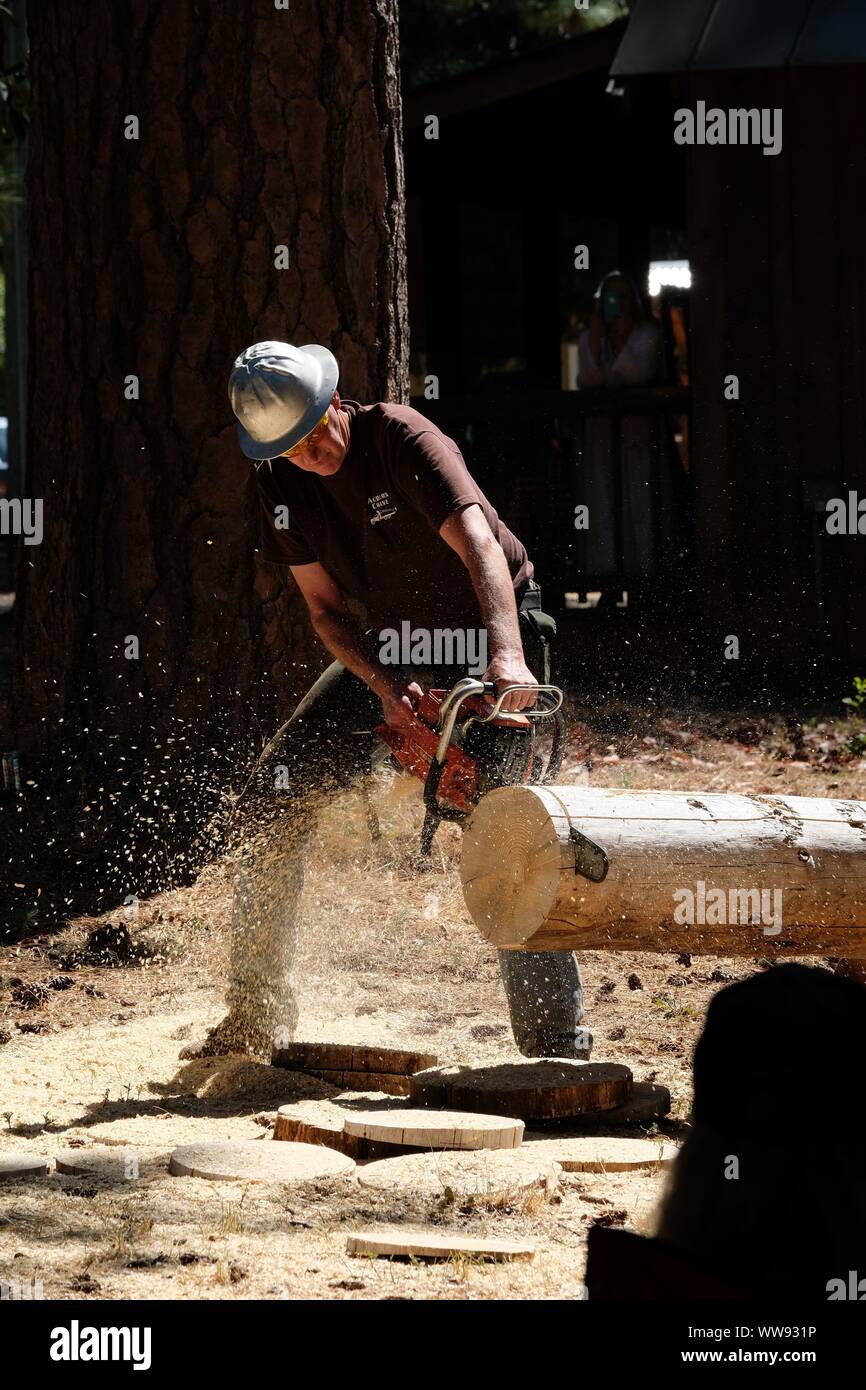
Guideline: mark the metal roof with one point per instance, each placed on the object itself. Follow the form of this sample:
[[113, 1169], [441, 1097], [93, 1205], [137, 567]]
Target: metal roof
[[668, 36]]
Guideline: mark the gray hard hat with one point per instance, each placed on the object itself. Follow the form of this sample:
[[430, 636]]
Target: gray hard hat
[[279, 393]]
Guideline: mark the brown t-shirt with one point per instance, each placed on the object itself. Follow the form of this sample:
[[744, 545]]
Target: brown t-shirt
[[374, 524]]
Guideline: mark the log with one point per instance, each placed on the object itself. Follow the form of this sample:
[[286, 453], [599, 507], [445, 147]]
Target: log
[[598, 869]]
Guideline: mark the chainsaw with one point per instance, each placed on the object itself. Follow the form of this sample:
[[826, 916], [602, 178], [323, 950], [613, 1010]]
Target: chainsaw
[[462, 746]]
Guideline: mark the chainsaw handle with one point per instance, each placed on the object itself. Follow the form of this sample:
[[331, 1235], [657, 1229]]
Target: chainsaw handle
[[468, 686], [448, 713], [552, 690]]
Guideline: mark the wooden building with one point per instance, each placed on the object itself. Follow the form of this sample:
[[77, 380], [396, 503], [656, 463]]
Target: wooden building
[[576, 145], [776, 245]]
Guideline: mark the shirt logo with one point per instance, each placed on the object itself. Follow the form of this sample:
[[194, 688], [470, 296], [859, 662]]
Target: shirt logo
[[380, 507]]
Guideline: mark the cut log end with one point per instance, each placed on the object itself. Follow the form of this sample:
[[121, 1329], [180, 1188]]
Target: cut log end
[[511, 866]]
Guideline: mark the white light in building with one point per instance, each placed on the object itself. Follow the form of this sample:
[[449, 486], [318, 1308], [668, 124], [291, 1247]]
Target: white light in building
[[668, 273]]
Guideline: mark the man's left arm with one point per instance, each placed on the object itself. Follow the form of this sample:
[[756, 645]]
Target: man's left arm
[[469, 535]]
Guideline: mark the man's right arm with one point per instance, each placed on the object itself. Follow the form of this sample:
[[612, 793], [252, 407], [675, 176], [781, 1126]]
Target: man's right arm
[[341, 634]]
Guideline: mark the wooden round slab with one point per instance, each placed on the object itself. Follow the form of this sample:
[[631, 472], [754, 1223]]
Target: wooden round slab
[[486, 1174], [23, 1166], [346, 1057], [258, 1161], [339, 1127], [435, 1129], [434, 1244], [648, 1101], [317, 1122], [531, 1090], [391, 1083], [110, 1161], [590, 1153]]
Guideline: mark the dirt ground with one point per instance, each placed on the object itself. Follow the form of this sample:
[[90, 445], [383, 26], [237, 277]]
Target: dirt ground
[[387, 956]]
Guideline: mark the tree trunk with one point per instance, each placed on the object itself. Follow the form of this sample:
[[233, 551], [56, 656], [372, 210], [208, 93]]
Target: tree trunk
[[568, 868], [156, 257]]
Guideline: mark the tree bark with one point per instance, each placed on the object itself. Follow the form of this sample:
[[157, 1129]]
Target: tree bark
[[259, 127], [569, 868]]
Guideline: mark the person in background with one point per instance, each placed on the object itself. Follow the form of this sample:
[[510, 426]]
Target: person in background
[[620, 347]]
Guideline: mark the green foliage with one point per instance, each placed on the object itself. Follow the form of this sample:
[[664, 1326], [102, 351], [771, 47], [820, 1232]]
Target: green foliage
[[858, 699], [443, 38], [857, 705]]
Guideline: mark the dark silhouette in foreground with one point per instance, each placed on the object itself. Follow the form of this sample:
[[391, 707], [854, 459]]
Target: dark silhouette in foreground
[[767, 1197]]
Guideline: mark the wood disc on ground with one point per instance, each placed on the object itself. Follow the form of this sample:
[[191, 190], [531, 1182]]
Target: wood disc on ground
[[120, 1163], [386, 1131], [591, 1153], [345, 1057], [163, 1132], [435, 1129], [550, 1088], [317, 1122], [391, 1083], [434, 1244], [485, 1174], [258, 1161], [647, 1103], [23, 1166]]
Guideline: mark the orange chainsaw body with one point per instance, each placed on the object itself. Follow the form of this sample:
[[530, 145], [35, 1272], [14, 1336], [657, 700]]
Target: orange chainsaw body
[[415, 747]]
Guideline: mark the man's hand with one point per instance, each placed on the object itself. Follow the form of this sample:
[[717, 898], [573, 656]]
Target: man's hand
[[512, 670], [399, 704]]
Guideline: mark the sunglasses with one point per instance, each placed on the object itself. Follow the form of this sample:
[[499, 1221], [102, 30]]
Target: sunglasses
[[311, 438]]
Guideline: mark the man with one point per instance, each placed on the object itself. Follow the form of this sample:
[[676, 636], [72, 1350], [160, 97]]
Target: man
[[377, 517]]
